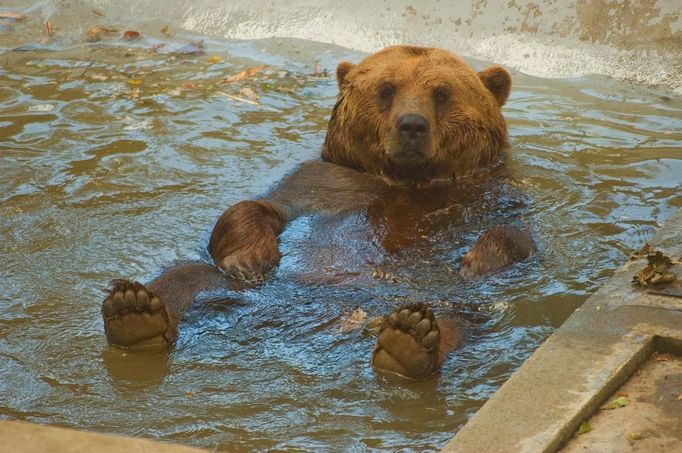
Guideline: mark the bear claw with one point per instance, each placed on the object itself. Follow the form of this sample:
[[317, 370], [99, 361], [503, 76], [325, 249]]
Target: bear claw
[[408, 343], [134, 317]]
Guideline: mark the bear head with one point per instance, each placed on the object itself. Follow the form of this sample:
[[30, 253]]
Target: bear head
[[414, 114]]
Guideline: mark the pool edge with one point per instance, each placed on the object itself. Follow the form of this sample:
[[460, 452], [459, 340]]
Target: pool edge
[[581, 364]]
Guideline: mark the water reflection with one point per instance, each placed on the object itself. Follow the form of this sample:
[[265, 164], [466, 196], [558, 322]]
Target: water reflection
[[135, 372]]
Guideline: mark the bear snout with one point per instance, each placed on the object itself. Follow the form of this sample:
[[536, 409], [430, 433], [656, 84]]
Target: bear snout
[[413, 130]]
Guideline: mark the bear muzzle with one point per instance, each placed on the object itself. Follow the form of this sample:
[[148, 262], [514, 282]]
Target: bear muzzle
[[413, 130], [410, 141]]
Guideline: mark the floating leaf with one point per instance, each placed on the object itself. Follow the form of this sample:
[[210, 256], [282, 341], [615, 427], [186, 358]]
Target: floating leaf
[[135, 81], [130, 35], [187, 86], [617, 403], [584, 428], [95, 33], [354, 321], [97, 12], [49, 29], [634, 436], [165, 32], [11, 16], [245, 74], [214, 59]]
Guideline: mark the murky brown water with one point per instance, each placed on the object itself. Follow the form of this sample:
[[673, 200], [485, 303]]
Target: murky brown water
[[110, 165]]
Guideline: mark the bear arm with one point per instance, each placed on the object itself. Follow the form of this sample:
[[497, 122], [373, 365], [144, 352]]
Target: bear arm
[[319, 187], [244, 240]]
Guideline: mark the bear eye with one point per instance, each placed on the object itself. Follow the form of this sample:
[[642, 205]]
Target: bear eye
[[386, 91], [441, 95]]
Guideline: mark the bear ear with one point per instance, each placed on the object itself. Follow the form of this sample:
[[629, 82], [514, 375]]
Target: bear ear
[[342, 70], [498, 81]]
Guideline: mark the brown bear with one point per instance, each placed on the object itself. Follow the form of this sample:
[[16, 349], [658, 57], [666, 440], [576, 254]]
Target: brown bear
[[408, 123]]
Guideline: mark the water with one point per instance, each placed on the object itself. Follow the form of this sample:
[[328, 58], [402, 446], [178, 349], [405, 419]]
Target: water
[[112, 166]]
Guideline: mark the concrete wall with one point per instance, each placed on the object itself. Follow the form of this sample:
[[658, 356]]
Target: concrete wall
[[639, 40]]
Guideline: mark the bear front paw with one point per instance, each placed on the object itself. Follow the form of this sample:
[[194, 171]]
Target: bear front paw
[[244, 240], [252, 261]]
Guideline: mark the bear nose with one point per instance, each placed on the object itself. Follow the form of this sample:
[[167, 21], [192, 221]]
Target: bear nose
[[413, 128]]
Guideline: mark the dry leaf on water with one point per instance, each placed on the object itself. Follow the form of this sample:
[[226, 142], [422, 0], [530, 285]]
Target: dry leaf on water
[[354, 321], [95, 33], [130, 35], [656, 272], [245, 74], [11, 16]]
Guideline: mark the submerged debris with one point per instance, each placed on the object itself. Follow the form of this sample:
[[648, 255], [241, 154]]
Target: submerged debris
[[657, 272]]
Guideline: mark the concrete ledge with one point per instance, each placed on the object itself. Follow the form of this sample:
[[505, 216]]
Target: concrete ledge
[[582, 364], [22, 437]]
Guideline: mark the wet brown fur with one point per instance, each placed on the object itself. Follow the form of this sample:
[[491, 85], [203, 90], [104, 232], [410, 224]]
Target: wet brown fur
[[498, 247]]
